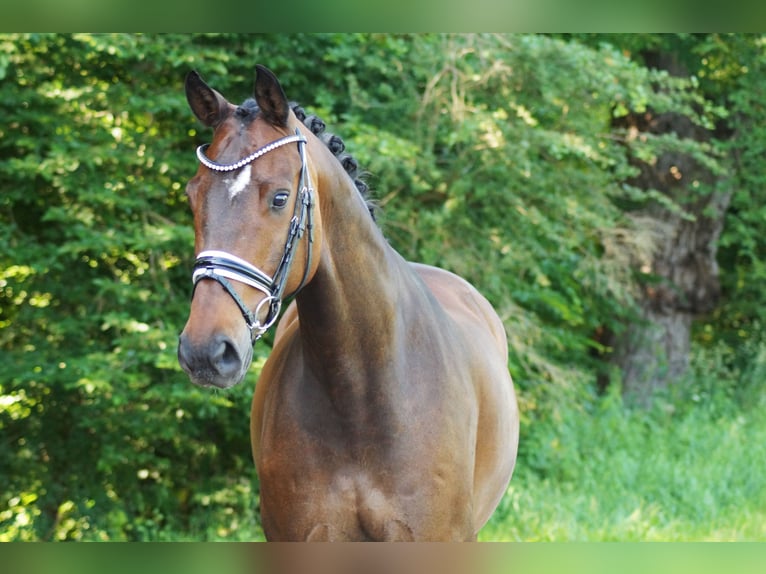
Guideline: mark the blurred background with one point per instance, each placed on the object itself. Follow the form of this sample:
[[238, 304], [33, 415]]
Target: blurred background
[[604, 191]]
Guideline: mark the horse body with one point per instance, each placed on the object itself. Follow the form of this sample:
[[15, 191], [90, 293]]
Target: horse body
[[385, 410]]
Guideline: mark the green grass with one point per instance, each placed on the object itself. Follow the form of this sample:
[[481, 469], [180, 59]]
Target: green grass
[[671, 474]]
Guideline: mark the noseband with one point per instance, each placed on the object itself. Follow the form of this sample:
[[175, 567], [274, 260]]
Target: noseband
[[222, 267]]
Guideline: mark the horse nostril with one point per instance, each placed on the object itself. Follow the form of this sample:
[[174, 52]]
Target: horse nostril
[[224, 357], [218, 362]]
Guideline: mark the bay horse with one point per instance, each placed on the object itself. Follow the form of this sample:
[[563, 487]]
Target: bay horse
[[385, 410]]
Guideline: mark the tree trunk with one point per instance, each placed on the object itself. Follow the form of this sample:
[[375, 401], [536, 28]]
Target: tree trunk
[[681, 280]]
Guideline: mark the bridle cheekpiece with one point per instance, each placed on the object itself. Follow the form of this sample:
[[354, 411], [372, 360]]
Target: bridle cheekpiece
[[222, 267]]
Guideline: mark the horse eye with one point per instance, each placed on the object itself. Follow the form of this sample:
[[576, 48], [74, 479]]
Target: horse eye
[[280, 200]]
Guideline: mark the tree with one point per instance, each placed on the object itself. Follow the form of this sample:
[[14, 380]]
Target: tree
[[689, 179], [541, 153]]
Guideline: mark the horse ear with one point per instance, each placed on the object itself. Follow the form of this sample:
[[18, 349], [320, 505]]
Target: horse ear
[[270, 97], [209, 106]]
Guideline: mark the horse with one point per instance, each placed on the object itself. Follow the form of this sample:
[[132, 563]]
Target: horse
[[385, 410]]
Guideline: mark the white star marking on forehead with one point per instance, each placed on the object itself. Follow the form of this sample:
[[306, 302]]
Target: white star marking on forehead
[[240, 182]]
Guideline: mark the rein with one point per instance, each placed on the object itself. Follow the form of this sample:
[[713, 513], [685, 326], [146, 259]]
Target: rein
[[221, 266]]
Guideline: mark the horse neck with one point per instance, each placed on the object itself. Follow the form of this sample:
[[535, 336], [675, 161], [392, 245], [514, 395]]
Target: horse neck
[[350, 312]]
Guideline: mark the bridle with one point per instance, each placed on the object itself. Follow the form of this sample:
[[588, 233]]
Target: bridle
[[222, 267]]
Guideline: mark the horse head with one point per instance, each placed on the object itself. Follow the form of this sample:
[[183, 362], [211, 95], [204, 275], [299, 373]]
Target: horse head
[[252, 200]]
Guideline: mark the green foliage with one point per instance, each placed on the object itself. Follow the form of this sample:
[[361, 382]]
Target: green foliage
[[103, 435], [740, 319], [494, 156]]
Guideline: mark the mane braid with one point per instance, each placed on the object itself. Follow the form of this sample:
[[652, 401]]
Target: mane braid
[[336, 145]]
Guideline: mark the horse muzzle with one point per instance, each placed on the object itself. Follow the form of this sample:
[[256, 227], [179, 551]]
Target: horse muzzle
[[217, 362]]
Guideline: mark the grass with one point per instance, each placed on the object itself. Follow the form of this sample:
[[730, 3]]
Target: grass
[[670, 474]]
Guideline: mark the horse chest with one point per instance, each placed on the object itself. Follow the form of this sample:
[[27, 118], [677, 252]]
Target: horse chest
[[356, 505], [323, 480]]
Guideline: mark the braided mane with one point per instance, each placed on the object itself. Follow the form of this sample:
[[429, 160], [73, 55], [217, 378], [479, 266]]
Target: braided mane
[[249, 108], [336, 145]]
